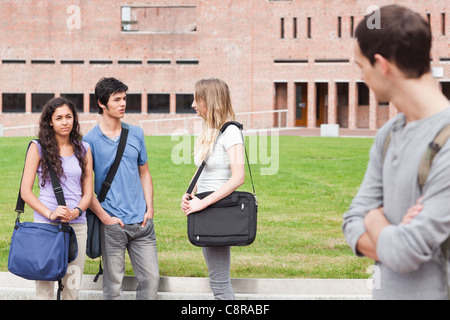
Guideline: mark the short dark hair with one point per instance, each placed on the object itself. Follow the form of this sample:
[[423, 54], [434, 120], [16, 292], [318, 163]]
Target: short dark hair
[[403, 37], [105, 88]]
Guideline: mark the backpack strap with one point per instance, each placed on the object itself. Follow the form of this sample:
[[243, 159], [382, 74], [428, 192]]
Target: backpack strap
[[433, 148]]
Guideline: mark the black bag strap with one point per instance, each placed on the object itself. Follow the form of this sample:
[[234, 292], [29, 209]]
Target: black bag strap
[[106, 185], [202, 166], [59, 194], [20, 204], [55, 181]]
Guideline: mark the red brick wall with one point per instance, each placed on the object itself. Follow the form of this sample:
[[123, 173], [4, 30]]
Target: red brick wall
[[236, 40]]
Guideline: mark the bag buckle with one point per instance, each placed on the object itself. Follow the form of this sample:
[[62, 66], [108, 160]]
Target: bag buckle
[[106, 184], [58, 190]]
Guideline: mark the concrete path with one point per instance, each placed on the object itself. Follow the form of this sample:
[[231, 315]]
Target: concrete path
[[174, 288]]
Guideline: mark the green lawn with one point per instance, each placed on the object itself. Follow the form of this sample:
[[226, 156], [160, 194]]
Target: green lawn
[[300, 207]]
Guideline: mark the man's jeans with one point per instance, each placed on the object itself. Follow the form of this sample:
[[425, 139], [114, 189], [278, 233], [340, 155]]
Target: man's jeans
[[141, 245]]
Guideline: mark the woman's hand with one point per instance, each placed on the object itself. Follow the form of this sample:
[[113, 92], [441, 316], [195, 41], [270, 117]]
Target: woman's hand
[[193, 205], [71, 215], [185, 201], [61, 212]]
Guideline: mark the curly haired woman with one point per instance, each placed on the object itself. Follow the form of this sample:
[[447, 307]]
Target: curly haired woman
[[71, 159]]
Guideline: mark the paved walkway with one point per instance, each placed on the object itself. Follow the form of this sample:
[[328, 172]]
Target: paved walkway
[[315, 132], [173, 288]]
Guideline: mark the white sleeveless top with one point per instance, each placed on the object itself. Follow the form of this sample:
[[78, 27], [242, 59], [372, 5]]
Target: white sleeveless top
[[217, 170]]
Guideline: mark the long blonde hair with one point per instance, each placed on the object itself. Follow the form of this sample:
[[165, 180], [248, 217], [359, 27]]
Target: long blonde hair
[[214, 93]]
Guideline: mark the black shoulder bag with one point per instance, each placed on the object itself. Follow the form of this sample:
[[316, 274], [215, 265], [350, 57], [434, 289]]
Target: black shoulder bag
[[93, 242], [230, 221]]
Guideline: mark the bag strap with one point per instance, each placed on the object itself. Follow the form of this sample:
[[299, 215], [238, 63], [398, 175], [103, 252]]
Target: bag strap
[[59, 194], [54, 179], [433, 148], [20, 204], [106, 185], [202, 166]]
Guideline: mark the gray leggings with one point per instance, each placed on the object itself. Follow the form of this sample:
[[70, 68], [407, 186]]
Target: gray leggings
[[218, 262]]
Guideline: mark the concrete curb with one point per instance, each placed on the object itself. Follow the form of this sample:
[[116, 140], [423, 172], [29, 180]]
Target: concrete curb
[[186, 288]]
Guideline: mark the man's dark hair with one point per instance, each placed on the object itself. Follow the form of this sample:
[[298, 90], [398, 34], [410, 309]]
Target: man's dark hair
[[403, 37], [105, 88]]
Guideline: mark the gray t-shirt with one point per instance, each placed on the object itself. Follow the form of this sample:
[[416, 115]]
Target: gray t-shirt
[[217, 170], [410, 262]]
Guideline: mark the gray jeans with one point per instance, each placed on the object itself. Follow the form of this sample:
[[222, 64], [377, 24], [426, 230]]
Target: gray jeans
[[218, 262], [141, 245]]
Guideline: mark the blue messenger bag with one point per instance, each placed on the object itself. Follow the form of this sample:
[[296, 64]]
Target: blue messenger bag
[[42, 251]]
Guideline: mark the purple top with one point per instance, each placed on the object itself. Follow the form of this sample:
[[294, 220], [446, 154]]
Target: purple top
[[70, 183]]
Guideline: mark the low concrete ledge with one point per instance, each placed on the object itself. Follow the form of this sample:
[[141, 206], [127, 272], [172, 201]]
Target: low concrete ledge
[[183, 288], [329, 130]]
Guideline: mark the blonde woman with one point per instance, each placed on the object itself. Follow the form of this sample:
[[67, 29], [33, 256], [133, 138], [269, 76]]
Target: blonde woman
[[223, 174]]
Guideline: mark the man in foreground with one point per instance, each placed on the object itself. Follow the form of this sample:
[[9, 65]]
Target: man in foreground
[[391, 220]]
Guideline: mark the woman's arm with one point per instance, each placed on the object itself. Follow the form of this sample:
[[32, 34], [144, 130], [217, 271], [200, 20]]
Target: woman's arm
[[236, 157], [26, 188], [87, 189]]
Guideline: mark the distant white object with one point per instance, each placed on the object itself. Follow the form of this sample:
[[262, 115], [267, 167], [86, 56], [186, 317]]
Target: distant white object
[[329, 130], [1, 130], [437, 72]]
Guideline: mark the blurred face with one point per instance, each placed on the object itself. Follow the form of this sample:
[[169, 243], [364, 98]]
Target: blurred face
[[372, 75], [62, 120], [200, 108], [116, 105]]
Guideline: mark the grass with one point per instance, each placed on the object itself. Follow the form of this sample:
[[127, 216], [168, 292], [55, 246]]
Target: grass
[[299, 215]]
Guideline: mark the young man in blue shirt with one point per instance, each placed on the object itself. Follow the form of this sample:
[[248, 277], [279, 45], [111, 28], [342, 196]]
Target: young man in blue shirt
[[127, 211]]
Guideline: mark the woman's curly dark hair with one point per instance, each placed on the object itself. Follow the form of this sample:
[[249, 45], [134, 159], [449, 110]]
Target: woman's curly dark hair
[[47, 139]]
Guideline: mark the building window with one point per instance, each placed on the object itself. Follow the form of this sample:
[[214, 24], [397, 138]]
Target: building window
[[38, 101], [16, 61], [363, 94], [93, 108], [294, 26], [76, 98], [339, 27], [13, 102], [308, 27], [187, 61], [163, 19], [184, 103], [134, 103], [158, 61], [352, 26], [446, 89], [443, 23], [158, 103], [342, 94], [282, 28]]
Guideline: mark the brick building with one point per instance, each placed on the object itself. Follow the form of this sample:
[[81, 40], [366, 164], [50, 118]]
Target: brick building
[[276, 55]]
